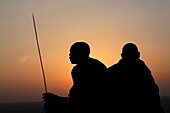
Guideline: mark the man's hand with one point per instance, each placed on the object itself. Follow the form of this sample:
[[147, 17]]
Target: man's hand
[[50, 97]]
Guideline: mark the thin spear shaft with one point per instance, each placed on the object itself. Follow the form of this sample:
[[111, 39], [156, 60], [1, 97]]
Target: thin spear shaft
[[42, 67]]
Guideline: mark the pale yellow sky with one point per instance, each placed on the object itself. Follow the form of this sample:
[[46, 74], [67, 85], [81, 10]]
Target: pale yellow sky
[[105, 24]]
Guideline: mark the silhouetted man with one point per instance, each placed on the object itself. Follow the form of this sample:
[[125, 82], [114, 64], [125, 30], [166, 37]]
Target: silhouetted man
[[132, 87], [86, 94]]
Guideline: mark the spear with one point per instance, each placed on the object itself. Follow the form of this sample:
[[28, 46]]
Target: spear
[[39, 52]]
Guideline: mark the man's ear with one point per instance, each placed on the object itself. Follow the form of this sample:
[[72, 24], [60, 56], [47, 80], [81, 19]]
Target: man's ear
[[122, 55], [138, 55]]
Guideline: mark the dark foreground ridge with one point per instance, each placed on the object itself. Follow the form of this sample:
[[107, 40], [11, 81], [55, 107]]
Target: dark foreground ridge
[[22, 107], [37, 107]]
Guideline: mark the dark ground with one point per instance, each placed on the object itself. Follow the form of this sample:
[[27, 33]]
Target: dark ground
[[37, 107]]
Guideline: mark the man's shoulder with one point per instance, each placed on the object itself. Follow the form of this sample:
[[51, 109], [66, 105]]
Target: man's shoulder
[[141, 61], [75, 68], [116, 68], [121, 64], [143, 66], [113, 67], [96, 62], [116, 65]]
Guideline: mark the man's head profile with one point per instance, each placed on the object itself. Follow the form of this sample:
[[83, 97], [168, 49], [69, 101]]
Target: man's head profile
[[130, 52], [79, 51]]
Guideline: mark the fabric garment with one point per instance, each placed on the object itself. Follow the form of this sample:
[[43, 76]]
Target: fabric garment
[[86, 94], [133, 88]]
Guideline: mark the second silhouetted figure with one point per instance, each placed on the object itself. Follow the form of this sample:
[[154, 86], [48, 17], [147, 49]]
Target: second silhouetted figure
[[132, 86]]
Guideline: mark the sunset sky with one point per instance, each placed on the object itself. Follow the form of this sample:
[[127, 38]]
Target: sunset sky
[[106, 25]]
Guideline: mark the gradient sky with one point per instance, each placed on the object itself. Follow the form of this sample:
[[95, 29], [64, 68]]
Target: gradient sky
[[105, 24]]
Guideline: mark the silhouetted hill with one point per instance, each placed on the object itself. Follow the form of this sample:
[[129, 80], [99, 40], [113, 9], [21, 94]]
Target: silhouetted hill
[[37, 107], [22, 107]]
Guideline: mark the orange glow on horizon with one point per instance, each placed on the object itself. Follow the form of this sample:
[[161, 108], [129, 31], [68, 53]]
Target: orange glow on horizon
[[105, 25]]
